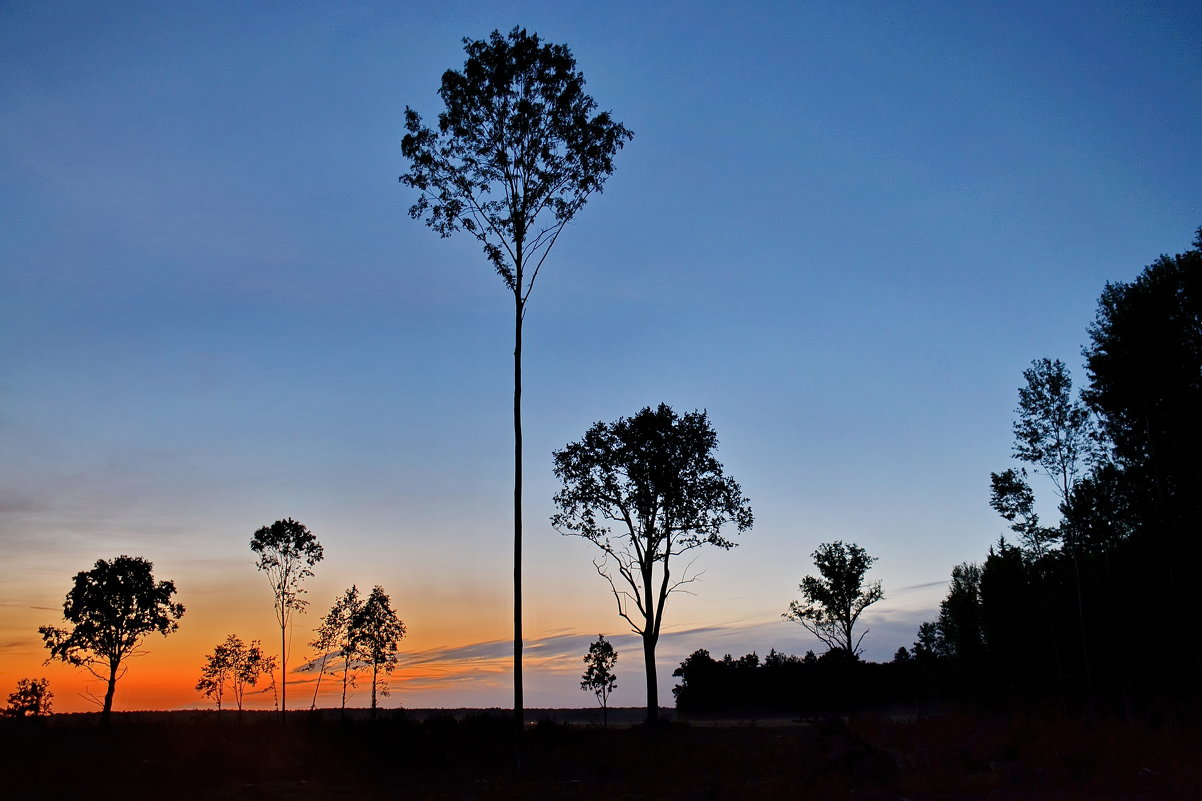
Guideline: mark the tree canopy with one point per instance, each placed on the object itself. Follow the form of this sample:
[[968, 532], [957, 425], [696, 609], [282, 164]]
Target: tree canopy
[[645, 490], [833, 601], [109, 611]]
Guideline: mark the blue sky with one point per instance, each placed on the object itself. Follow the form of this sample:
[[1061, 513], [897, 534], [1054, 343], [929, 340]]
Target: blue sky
[[842, 229]]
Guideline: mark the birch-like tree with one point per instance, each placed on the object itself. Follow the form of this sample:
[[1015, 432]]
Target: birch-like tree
[[287, 553], [516, 154]]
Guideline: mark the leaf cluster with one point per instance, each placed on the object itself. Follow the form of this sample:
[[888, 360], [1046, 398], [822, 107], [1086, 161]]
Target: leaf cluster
[[287, 553], [31, 699], [833, 601], [599, 662], [236, 665], [376, 631], [654, 478], [110, 610], [517, 152]]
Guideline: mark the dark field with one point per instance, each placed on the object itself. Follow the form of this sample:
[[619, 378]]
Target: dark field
[[191, 755]]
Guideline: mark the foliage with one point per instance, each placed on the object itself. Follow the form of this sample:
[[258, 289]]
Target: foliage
[[109, 611], [1130, 517], [833, 601], [1012, 498], [645, 490], [959, 625], [1053, 430], [599, 678], [235, 665], [336, 635], [376, 632], [518, 143], [287, 553], [31, 699], [781, 683], [516, 154]]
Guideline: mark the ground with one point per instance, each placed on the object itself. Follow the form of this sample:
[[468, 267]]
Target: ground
[[192, 755]]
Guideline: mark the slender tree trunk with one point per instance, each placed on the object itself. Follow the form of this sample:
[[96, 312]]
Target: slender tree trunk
[[374, 670], [283, 660], [652, 679], [518, 711], [317, 689], [107, 712]]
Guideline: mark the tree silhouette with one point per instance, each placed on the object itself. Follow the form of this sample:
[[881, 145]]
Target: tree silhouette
[[336, 635], [236, 665], [516, 154], [31, 699], [287, 552], [1011, 497], [110, 609], [833, 601], [376, 633], [654, 478], [599, 678], [1144, 363], [1053, 430], [215, 672]]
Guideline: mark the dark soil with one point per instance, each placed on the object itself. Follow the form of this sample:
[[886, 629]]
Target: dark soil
[[191, 755]]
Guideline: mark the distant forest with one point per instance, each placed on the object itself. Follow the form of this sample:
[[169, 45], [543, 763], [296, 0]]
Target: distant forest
[[1096, 610]]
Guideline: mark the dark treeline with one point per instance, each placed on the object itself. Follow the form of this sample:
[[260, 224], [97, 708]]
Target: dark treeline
[[1100, 609], [1096, 611], [783, 684]]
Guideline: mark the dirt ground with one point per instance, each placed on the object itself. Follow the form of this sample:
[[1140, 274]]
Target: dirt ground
[[464, 754]]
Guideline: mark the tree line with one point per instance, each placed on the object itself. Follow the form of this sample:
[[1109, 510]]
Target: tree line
[[1100, 606]]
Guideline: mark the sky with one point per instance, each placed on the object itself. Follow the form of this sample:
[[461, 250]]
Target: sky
[[843, 229]]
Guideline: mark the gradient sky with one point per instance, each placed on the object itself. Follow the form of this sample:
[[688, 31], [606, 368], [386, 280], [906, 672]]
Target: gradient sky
[[844, 229]]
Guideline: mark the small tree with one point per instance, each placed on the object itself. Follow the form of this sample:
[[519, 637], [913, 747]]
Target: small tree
[[216, 672], [599, 678], [833, 601], [250, 664], [377, 632], [235, 666], [110, 609], [335, 635], [32, 699], [287, 552], [654, 477], [516, 154]]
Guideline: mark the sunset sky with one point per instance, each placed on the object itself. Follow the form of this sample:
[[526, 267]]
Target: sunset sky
[[844, 229]]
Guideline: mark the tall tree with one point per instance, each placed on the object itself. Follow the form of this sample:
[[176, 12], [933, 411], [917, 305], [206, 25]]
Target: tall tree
[[653, 477], [1144, 363], [377, 632], [287, 553], [1145, 371], [833, 601], [599, 678], [110, 610], [517, 152]]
